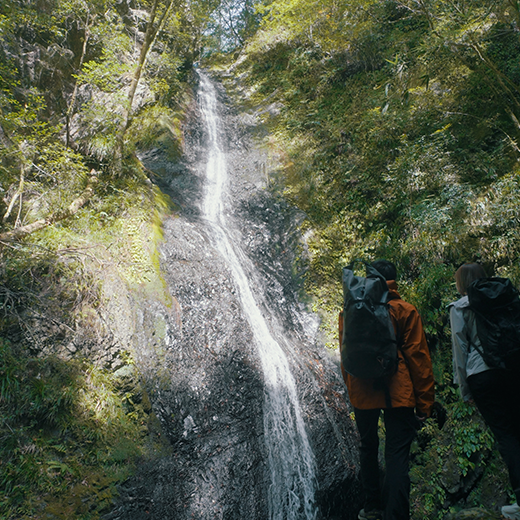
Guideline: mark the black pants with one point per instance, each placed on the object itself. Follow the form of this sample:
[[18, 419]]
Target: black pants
[[497, 396], [401, 428]]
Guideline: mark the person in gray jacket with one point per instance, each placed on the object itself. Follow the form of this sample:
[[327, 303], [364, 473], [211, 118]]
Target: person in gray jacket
[[466, 360], [495, 391]]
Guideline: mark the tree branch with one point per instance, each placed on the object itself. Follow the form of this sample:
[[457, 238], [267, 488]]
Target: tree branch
[[73, 208], [17, 194]]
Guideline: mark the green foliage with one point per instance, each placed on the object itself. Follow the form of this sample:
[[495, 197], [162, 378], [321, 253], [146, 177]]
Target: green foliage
[[431, 293], [231, 23], [114, 61], [107, 74], [38, 25], [62, 423], [322, 23], [157, 126], [95, 78], [451, 460], [39, 174], [392, 143]]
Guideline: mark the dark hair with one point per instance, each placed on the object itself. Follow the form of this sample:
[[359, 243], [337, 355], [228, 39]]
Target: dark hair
[[386, 268], [466, 274]]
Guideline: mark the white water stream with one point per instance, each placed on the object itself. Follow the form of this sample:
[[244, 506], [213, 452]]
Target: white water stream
[[291, 461]]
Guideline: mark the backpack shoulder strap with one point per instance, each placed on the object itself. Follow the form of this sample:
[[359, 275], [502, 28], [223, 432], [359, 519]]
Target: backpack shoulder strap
[[479, 349]]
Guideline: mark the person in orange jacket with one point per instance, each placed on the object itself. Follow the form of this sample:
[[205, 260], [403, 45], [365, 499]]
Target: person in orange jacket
[[412, 396]]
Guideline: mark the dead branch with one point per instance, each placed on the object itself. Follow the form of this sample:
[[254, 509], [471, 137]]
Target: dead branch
[[74, 207]]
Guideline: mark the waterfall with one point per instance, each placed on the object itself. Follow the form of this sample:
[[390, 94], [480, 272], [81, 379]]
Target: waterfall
[[290, 458]]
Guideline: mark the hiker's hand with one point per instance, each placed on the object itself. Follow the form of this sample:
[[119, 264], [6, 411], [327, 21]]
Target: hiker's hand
[[421, 417]]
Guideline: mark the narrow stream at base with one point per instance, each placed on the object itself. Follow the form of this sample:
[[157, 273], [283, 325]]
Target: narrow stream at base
[[291, 460]]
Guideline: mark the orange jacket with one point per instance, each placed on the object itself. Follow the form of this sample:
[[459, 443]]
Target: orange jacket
[[412, 385]]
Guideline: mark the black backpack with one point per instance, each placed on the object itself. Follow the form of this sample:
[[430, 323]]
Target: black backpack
[[369, 344], [496, 305]]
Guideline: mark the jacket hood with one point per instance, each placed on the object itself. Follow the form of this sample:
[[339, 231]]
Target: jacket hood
[[460, 303]]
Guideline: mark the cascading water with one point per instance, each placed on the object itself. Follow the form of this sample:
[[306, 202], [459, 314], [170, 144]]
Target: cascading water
[[226, 386], [291, 461]]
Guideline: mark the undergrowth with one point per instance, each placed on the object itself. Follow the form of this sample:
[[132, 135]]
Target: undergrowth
[[69, 432]]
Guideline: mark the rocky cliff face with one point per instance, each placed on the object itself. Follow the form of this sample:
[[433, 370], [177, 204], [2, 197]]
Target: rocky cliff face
[[200, 362]]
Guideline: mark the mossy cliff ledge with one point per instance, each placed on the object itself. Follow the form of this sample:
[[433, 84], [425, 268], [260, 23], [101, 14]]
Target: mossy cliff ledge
[[75, 414]]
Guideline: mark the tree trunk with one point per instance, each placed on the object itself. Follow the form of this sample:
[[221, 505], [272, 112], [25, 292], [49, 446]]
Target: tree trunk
[[17, 194], [70, 109], [151, 33]]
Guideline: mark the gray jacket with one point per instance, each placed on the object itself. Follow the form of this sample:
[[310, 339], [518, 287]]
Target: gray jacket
[[466, 360]]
